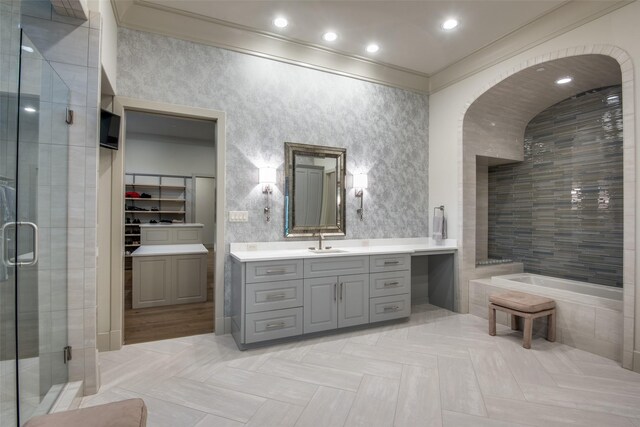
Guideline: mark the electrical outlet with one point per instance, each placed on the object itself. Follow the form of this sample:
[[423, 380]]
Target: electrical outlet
[[238, 216], [252, 247]]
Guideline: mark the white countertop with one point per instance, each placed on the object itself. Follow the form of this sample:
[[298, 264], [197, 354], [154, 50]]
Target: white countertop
[[172, 225], [268, 251], [157, 250]]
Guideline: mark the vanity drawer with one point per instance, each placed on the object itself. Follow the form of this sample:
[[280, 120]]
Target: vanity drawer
[[338, 266], [272, 325], [273, 295], [390, 283], [380, 263], [387, 308], [274, 271]]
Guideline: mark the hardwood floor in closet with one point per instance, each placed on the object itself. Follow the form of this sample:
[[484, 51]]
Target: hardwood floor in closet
[[160, 323]]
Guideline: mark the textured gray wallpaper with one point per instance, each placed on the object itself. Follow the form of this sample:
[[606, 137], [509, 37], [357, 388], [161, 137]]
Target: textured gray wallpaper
[[560, 211], [384, 130]]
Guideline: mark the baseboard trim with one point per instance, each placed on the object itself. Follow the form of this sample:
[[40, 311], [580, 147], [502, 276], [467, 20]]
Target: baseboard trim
[[103, 341], [636, 361], [115, 340]]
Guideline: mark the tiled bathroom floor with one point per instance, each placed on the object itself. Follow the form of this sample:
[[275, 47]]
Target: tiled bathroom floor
[[439, 368]]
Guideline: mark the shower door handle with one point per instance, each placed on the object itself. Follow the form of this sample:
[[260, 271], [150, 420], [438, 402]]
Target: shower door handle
[[5, 248]]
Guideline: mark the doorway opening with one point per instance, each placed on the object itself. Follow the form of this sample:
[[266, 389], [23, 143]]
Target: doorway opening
[[169, 230]]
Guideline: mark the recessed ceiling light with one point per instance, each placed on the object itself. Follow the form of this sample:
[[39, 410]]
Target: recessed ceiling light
[[280, 22], [373, 48], [330, 36], [29, 109], [540, 69], [564, 80], [611, 99], [450, 24], [27, 49]]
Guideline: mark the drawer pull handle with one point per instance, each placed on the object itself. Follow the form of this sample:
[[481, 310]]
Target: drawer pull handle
[[391, 262], [391, 284], [392, 308], [341, 290], [280, 271], [271, 297], [278, 325]]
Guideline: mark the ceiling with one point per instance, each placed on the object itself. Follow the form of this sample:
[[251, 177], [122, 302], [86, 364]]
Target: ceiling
[[413, 46]]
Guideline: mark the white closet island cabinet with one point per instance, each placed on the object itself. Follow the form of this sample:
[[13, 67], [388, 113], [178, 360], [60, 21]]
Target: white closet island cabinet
[[170, 267]]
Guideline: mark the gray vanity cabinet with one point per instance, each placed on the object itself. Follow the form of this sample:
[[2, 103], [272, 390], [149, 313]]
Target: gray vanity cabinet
[[284, 298], [335, 302]]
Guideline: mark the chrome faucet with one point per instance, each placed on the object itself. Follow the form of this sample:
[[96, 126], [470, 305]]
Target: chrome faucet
[[320, 239]]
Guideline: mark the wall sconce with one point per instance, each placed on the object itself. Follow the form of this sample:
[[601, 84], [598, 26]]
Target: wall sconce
[[360, 182], [267, 180]]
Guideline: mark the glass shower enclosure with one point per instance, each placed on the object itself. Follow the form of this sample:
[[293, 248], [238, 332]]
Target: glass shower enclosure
[[34, 218]]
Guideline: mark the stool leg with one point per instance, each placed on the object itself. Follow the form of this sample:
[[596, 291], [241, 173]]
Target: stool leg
[[528, 332], [551, 327], [492, 321], [514, 322]]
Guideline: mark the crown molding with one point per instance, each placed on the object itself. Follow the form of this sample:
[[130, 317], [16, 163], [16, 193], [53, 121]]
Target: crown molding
[[158, 19], [155, 18], [567, 17]]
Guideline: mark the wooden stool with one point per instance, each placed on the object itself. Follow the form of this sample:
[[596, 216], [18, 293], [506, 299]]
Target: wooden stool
[[527, 306]]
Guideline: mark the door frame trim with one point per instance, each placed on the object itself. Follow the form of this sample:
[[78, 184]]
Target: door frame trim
[[120, 106]]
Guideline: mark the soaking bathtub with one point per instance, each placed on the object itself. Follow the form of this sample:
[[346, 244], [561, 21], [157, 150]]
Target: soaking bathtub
[[589, 316]]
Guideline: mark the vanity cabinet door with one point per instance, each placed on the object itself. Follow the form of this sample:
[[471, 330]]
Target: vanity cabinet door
[[353, 300], [320, 304]]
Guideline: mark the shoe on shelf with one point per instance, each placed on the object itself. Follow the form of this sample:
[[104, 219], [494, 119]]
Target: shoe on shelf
[[153, 221], [132, 195], [154, 209], [146, 196], [136, 221], [128, 220]]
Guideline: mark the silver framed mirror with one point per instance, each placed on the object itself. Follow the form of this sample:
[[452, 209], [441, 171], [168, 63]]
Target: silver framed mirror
[[314, 190]]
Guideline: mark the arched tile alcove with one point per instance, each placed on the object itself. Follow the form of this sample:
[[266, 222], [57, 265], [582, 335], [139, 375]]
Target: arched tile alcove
[[492, 132]]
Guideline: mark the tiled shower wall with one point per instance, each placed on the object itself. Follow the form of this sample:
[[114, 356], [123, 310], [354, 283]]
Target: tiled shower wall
[[560, 211]]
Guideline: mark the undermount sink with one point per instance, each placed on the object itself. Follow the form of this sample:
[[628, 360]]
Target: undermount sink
[[327, 251]]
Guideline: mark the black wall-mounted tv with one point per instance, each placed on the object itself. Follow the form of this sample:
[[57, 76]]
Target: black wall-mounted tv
[[109, 130]]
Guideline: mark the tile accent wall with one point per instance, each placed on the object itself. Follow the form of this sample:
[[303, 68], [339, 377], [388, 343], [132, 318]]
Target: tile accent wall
[[560, 211], [384, 129]]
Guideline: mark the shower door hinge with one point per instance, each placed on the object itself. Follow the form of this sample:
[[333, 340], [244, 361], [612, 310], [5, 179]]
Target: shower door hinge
[[69, 118], [67, 354]]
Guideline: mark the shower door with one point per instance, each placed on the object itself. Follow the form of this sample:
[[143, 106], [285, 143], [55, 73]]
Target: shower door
[[34, 170]]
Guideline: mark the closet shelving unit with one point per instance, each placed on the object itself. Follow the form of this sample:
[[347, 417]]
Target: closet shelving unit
[[168, 196]]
